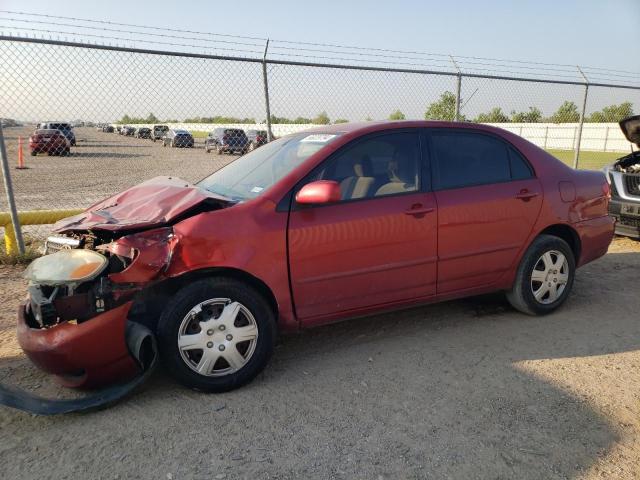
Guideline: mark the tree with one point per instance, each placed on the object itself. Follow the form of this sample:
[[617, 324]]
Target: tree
[[496, 115], [341, 120], [322, 119], [397, 115], [566, 113], [612, 113], [443, 109], [534, 115]]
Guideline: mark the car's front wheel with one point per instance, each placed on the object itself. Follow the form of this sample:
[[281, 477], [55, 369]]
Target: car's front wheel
[[545, 276], [216, 334]]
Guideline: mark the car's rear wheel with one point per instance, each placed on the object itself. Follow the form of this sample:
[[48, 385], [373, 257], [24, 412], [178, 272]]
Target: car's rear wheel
[[216, 334], [219, 150], [34, 153], [545, 276]]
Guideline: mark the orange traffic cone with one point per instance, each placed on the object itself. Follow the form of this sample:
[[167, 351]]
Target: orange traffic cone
[[20, 155]]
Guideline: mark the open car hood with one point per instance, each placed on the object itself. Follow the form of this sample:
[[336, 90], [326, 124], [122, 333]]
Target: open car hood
[[156, 202], [631, 128]]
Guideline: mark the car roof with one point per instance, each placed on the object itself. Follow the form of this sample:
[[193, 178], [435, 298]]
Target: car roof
[[359, 128]]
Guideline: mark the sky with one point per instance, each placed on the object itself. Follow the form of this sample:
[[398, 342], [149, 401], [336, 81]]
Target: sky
[[103, 86], [600, 33]]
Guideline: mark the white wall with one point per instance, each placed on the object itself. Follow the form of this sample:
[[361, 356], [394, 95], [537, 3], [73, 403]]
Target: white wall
[[595, 136]]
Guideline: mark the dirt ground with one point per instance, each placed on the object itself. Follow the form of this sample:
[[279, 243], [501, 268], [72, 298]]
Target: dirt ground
[[464, 389]]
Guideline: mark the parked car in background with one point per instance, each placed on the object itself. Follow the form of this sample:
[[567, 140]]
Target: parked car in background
[[143, 132], [118, 129], [158, 131], [334, 222], [128, 131], [177, 138], [65, 128], [229, 140], [624, 177], [49, 141], [108, 129], [257, 138]]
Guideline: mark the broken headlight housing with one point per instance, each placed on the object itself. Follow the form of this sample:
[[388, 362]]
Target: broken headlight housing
[[66, 267]]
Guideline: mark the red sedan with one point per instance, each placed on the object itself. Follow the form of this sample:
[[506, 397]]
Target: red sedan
[[51, 142], [315, 227]]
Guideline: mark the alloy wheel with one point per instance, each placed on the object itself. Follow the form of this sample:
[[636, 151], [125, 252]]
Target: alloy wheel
[[549, 277], [217, 337]]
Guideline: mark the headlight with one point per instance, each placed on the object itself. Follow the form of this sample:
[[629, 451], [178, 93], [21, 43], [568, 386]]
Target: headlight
[[65, 267]]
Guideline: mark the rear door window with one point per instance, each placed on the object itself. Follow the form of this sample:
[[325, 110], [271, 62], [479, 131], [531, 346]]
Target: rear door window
[[463, 159]]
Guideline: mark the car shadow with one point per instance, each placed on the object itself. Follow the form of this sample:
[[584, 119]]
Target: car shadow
[[91, 144], [107, 155], [443, 391]]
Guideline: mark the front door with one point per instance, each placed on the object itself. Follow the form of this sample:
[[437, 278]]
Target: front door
[[379, 244]]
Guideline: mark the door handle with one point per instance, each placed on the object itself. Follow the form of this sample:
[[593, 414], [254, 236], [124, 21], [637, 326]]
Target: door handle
[[418, 209], [526, 195]]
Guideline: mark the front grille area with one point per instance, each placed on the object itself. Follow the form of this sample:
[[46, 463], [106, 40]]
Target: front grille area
[[57, 243], [632, 184], [632, 222]]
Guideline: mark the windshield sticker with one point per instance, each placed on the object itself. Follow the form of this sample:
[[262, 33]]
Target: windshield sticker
[[256, 189], [317, 138]]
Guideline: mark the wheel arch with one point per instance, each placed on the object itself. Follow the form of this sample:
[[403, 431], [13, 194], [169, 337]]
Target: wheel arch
[[151, 301], [568, 234]]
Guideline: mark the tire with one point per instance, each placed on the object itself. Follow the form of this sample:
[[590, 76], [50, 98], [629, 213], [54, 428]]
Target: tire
[[33, 153], [176, 321], [219, 150], [553, 276]]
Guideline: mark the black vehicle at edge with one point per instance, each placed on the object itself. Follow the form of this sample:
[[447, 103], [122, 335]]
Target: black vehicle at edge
[[624, 178]]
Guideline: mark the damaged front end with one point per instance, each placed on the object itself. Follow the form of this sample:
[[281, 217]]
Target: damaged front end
[[76, 324], [92, 298]]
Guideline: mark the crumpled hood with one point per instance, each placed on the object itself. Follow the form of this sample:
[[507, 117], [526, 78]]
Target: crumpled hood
[[631, 128], [152, 203]]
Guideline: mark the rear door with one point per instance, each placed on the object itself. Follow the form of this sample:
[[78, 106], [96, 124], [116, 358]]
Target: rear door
[[378, 245], [488, 201]]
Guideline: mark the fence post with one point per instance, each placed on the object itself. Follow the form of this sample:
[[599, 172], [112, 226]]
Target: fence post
[[8, 187], [456, 116], [576, 158], [266, 91]]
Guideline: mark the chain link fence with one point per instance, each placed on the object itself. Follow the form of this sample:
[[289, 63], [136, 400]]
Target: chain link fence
[[100, 89]]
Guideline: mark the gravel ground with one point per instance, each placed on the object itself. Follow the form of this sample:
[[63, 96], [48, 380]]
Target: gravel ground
[[464, 389], [100, 165]]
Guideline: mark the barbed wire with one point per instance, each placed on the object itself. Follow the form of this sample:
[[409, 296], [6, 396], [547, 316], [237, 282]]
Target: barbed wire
[[299, 50]]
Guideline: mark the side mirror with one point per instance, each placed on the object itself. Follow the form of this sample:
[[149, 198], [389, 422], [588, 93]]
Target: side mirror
[[319, 192]]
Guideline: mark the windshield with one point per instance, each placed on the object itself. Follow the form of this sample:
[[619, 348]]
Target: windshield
[[253, 173]]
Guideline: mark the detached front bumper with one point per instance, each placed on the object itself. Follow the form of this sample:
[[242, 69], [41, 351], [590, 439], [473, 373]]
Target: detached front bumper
[[627, 215], [89, 354]]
